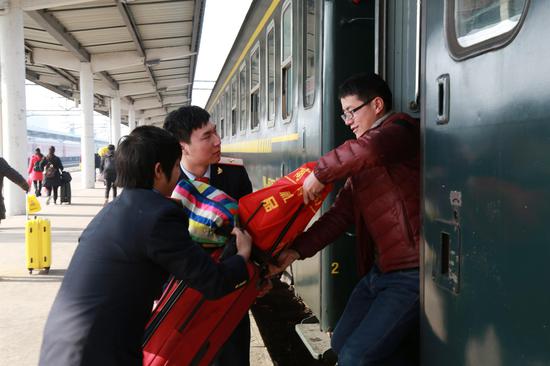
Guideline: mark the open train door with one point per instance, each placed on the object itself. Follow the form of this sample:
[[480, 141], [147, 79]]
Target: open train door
[[379, 36], [486, 183]]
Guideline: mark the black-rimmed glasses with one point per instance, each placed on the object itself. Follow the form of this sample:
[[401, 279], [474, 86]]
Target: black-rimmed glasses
[[347, 115]]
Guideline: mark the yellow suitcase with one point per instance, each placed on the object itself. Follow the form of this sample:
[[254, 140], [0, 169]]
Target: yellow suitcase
[[38, 244]]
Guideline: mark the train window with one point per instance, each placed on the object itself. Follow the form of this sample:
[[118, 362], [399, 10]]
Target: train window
[[255, 88], [228, 110], [310, 44], [476, 26], [222, 117], [214, 117], [234, 98], [243, 92], [270, 85], [286, 61]]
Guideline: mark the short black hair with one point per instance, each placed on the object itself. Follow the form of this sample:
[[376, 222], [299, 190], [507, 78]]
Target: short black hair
[[51, 150], [184, 120], [138, 153], [367, 86], [111, 147]]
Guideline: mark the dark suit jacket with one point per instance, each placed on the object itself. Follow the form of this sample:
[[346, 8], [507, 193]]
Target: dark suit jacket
[[122, 259], [7, 171], [232, 179]]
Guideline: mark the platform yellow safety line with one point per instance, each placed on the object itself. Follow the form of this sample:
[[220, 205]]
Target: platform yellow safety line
[[258, 146]]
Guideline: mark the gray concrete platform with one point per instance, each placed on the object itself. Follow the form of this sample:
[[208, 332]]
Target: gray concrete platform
[[25, 300]]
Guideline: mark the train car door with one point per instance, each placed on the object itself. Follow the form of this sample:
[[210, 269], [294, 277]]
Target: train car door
[[486, 183]]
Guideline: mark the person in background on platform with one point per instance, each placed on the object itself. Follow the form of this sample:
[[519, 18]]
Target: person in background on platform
[[108, 170], [35, 171], [52, 168], [125, 255], [7, 171], [97, 164], [381, 197], [201, 160]]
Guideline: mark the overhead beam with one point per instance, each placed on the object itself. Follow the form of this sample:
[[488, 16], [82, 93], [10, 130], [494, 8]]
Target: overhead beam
[[136, 88], [153, 113], [198, 18], [155, 120], [103, 61], [109, 80], [64, 74], [128, 20], [56, 30], [147, 103], [35, 78], [29, 5]]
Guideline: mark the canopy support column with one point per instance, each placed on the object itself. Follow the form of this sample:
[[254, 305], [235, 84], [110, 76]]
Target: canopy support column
[[87, 116], [14, 120], [131, 118], [115, 118]]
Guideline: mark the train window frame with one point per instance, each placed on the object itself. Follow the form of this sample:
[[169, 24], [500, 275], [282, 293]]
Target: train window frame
[[221, 116], [459, 52], [286, 67], [255, 89], [228, 110], [314, 68], [270, 117], [243, 96], [234, 106], [214, 115]]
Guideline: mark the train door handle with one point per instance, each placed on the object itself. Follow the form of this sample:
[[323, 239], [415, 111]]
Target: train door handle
[[443, 99]]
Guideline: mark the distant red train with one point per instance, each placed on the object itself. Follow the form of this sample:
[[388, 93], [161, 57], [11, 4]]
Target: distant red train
[[67, 147]]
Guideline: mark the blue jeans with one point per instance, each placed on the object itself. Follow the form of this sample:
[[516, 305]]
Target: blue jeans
[[382, 310]]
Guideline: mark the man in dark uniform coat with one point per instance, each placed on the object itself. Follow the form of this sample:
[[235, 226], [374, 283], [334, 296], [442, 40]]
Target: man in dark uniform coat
[[201, 160], [125, 255], [7, 171]]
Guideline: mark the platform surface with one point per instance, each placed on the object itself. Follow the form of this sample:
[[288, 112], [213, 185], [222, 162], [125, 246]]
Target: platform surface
[[26, 299]]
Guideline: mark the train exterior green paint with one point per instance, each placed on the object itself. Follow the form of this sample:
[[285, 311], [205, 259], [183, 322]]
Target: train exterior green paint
[[481, 75], [486, 129], [325, 281]]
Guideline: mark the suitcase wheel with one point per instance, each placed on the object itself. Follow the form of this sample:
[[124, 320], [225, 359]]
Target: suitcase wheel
[[47, 270], [30, 271]]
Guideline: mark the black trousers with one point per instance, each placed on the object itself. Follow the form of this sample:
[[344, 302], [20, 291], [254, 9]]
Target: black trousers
[[54, 189], [108, 184], [37, 187]]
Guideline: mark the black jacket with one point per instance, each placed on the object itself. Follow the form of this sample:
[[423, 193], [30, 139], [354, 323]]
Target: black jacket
[[122, 259], [107, 166], [7, 171], [54, 181], [232, 179]]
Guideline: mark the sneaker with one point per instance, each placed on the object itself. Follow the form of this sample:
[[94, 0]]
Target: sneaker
[[48, 200]]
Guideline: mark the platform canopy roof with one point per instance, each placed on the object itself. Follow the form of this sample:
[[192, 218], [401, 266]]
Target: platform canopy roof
[[143, 49]]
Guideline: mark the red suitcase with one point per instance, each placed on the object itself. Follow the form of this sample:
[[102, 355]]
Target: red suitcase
[[185, 328]]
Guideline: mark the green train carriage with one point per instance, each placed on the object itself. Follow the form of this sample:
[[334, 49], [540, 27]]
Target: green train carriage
[[275, 104], [476, 74]]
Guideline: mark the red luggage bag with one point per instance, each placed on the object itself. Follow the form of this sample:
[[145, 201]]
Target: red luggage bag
[[187, 329]]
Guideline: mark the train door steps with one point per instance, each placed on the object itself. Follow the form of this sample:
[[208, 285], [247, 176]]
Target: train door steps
[[316, 341]]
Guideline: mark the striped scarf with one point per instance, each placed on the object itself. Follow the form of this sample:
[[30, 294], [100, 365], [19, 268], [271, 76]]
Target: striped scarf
[[212, 213]]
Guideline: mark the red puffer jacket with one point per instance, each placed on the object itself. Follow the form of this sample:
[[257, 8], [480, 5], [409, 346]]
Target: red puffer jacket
[[381, 196]]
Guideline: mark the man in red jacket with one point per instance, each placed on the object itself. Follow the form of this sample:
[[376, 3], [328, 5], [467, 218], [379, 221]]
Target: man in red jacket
[[381, 198]]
